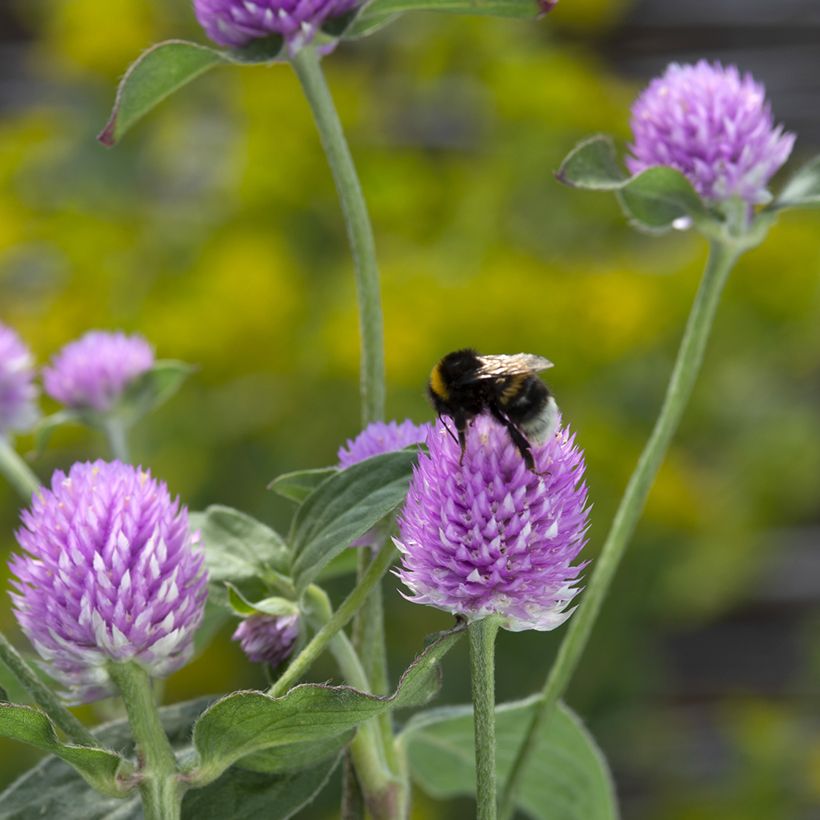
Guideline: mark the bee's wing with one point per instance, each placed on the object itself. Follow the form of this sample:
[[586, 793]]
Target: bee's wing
[[517, 364]]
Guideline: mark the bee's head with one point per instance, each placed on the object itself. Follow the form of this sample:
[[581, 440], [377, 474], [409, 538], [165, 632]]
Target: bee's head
[[448, 376]]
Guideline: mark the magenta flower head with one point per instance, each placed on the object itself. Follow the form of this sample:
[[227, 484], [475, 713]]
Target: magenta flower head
[[381, 437], [236, 23], [483, 534], [714, 126], [268, 638], [93, 372], [108, 572], [18, 394]]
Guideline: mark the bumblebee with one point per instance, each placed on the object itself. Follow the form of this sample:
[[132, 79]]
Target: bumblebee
[[464, 384]]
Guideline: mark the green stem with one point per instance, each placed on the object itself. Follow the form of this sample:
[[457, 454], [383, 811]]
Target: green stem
[[160, 786], [349, 607], [43, 696], [359, 231], [117, 440], [722, 257], [16, 471], [482, 672]]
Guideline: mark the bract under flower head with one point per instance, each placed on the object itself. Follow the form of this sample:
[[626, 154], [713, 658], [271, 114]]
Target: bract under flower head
[[18, 394], [236, 23], [713, 125], [381, 437], [268, 638], [109, 572], [93, 372], [483, 535]]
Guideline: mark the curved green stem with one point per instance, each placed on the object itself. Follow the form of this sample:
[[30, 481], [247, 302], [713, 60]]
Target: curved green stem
[[43, 696], [17, 472], [160, 786], [359, 231], [482, 673], [722, 257]]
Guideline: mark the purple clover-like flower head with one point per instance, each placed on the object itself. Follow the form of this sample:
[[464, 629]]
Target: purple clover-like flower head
[[236, 23], [92, 372], [712, 124], [483, 535], [268, 638], [108, 572], [18, 394], [381, 437]]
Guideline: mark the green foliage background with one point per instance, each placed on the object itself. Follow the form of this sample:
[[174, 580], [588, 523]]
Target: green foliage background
[[214, 230]]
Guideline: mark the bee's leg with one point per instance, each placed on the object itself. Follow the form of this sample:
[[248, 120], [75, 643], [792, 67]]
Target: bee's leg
[[462, 442], [518, 438]]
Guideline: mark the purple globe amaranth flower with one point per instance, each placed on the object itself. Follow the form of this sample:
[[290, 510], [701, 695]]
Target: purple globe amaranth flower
[[482, 534], [93, 372], [268, 638], [381, 437], [236, 23], [18, 394], [109, 572], [712, 124]]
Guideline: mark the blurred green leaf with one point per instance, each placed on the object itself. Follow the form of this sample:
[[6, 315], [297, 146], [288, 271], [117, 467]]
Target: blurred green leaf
[[378, 13], [246, 795], [298, 485], [267, 606], [152, 388], [245, 723], [569, 778], [802, 190], [653, 200], [98, 767], [48, 424], [237, 546], [344, 507], [154, 76]]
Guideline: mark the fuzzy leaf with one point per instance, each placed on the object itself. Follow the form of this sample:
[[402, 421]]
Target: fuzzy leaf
[[653, 200], [98, 767], [293, 758], [569, 778], [297, 486], [344, 507], [803, 189], [237, 546], [275, 606], [378, 13], [246, 723]]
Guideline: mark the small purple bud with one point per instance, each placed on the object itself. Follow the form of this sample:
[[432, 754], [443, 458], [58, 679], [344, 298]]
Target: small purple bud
[[714, 126], [268, 638], [93, 372], [381, 437], [109, 572], [18, 394], [236, 23], [482, 534]]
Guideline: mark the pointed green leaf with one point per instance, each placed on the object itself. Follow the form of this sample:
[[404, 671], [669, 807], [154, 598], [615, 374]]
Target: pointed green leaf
[[294, 757], [153, 388], [48, 424], [568, 779], [98, 767], [156, 74], [378, 13], [802, 190], [275, 606], [654, 200], [237, 546], [245, 723], [344, 507], [297, 486]]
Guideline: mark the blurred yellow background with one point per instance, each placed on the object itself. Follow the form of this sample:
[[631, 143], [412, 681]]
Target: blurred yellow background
[[214, 230]]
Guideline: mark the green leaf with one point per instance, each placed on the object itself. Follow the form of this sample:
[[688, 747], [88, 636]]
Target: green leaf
[[344, 507], [568, 779], [54, 789], [156, 74], [244, 795], [653, 200], [802, 190], [297, 486], [237, 546], [293, 758], [246, 723], [98, 767], [152, 388], [275, 606], [378, 13]]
